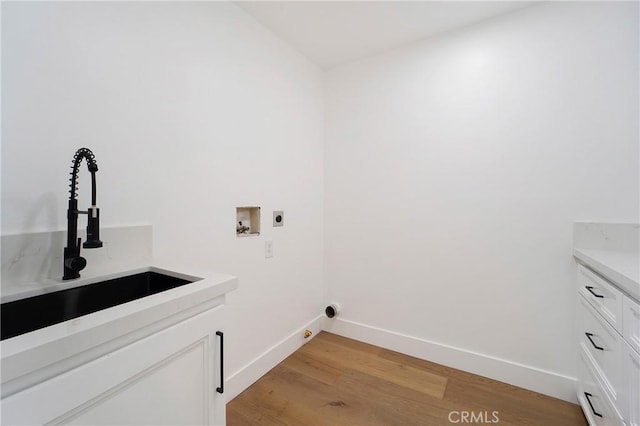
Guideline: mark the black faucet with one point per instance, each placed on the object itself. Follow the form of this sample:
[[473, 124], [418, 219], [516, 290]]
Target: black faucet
[[73, 262]]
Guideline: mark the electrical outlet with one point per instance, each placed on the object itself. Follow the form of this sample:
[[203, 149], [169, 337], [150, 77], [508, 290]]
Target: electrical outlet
[[268, 249]]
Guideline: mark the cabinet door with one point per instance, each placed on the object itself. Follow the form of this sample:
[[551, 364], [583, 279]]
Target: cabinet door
[[597, 407], [631, 393], [169, 377], [631, 322], [604, 297]]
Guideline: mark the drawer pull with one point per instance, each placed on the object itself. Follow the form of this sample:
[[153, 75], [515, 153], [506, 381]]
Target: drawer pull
[[220, 389], [589, 336], [590, 290], [595, 413]]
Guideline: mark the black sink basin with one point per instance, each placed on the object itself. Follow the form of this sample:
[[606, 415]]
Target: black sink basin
[[33, 313]]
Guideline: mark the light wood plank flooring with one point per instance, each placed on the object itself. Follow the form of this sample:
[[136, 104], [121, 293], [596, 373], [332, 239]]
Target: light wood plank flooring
[[336, 381]]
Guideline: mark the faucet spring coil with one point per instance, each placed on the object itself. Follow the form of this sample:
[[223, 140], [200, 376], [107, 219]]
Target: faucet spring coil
[[73, 185], [77, 158]]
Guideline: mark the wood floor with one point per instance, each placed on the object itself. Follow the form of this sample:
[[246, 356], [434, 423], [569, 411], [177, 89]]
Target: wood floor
[[335, 381]]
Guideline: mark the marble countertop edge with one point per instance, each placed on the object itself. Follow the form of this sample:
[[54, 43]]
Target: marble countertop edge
[[620, 267]]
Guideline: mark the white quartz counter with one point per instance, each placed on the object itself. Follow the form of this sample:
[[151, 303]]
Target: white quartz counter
[[620, 267], [612, 250], [32, 265], [80, 339]]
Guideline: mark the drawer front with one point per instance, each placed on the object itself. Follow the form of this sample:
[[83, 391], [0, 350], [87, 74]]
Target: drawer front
[[602, 345], [631, 389], [597, 407], [631, 322], [605, 298], [164, 378]]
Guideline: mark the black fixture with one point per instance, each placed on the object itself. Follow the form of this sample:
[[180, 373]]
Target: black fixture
[[589, 336], [220, 389], [593, 410], [590, 290], [73, 262]]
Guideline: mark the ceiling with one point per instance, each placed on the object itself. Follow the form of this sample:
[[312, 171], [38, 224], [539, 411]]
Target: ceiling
[[331, 33]]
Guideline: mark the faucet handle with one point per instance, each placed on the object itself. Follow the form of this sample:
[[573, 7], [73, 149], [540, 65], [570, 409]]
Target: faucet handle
[[72, 258], [73, 262], [76, 263]]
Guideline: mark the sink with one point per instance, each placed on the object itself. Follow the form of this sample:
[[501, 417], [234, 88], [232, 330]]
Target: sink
[[25, 315]]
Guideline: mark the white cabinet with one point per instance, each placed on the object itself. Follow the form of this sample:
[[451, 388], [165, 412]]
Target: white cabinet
[[601, 346], [602, 295], [172, 376], [631, 323], [631, 364], [597, 407], [609, 362]]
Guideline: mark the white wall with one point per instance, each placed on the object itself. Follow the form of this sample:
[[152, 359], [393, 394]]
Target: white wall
[[191, 109], [455, 168]]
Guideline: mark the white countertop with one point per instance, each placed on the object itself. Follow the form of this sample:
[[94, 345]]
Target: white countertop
[[20, 290], [93, 334], [620, 267]]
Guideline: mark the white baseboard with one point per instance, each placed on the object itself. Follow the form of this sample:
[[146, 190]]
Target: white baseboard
[[245, 377], [524, 376], [535, 379]]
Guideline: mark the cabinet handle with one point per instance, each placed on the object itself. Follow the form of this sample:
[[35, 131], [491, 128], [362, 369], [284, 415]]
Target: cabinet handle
[[220, 389], [590, 290], [589, 336], [595, 413]]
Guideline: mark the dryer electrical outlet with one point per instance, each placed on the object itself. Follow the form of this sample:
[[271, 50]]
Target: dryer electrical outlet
[[278, 218]]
